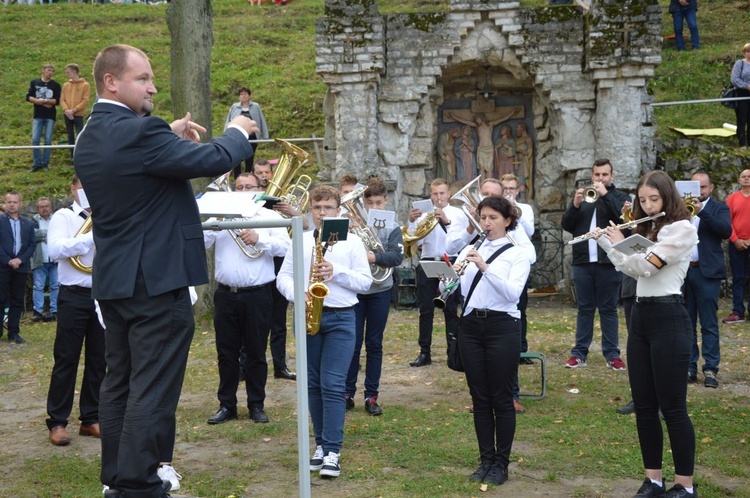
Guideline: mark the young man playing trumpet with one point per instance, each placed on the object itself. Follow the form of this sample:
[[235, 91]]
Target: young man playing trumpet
[[344, 270], [433, 247], [374, 304]]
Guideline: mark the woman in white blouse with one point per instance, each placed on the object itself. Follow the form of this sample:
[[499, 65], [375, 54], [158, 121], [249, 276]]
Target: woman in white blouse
[[490, 335], [660, 339]]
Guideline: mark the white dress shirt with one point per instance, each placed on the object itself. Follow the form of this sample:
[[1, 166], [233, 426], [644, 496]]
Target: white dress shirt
[[233, 268], [674, 244], [351, 271], [433, 246], [62, 244], [458, 238], [501, 286]]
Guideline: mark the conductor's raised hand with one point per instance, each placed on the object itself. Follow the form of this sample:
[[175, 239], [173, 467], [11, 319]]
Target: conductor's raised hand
[[246, 124], [187, 129]]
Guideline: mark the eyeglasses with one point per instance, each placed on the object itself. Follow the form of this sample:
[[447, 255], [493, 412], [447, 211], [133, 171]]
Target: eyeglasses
[[318, 208], [245, 187], [510, 188]]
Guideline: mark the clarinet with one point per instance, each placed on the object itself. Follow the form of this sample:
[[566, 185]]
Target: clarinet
[[452, 284]]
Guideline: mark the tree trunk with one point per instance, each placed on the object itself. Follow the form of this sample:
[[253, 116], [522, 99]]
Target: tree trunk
[[191, 28]]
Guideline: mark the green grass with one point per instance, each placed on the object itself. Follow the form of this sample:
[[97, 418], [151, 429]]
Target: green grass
[[569, 444]]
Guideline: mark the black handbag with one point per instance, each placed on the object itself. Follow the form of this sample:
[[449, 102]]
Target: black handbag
[[454, 360], [729, 92]]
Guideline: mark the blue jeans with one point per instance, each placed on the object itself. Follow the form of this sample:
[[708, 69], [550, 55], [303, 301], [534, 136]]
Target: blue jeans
[[47, 270], [39, 126], [702, 301], [372, 308], [690, 16], [738, 261], [597, 287], [329, 354]]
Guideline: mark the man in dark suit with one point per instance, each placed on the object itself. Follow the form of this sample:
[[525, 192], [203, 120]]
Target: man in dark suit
[[704, 278], [136, 170], [17, 245]]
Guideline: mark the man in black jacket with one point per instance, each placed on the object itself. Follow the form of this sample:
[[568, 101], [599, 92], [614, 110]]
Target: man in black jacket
[[597, 283]]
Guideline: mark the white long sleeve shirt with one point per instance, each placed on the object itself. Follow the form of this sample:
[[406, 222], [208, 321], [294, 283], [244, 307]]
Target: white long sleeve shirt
[[433, 246], [233, 268], [63, 244], [674, 244], [351, 271], [458, 238]]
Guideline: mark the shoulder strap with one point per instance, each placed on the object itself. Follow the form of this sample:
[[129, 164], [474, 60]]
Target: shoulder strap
[[479, 274]]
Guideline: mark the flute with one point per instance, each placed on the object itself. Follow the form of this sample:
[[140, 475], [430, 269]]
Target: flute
[[451, 284], [602, 231]]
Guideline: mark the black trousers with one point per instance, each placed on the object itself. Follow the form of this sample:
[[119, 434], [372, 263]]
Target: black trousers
[[489, 351], [12, 292], [73, 127], [427, 290], [147, 343], [76, 323], [278, 323], [659, 346], [742, 113], [242, 319]]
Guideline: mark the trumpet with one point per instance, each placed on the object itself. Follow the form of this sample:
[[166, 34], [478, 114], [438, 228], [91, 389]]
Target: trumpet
[[590, 194], [624, 226], [450, 285], [689, 204]]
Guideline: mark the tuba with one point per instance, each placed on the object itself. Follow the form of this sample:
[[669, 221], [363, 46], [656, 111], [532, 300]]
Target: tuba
[[291, 160], [75, 261], [357, 213], [317, 290], [469, 198], [221, 184]]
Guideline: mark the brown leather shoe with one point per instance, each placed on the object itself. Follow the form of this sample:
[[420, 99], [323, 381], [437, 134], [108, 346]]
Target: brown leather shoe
[[89, 430], [518, 406], [59, 436]]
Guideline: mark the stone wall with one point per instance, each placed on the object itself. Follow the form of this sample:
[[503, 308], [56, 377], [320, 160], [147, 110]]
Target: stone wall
[[388, 77]]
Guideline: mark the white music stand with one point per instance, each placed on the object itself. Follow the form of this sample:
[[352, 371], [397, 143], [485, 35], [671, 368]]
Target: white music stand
[[438, 269]]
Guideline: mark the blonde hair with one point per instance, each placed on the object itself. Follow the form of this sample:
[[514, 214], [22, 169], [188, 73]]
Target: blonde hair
[[746, 48]]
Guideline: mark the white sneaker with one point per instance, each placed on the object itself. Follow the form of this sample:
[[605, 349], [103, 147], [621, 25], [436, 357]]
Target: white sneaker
[[168, 473], [104, 489], [331, 466], [316, 462]]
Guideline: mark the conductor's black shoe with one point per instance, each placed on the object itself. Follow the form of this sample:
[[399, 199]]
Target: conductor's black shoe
[[223, 415], [285, 373], [626, 409], [650, 489], [482, 471], [258, 416], [497, 475], [16, 338], [372, 407], [421, 360], [165, 487]]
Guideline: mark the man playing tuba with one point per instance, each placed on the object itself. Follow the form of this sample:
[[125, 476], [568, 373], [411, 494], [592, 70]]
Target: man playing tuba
[[374, 304]]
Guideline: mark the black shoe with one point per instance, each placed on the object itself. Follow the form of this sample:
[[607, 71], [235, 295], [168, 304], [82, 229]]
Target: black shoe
[[37, 317], [497, 475], [525, 361], [258, 416], [709, 379], [372, 407], [165, 487], [626, 409], [49, 317], [16, 338], [34, 169], [649, 489], [223, 415], [692, 378], [679, 491], [285, 373], [482, 471], [349, 402], [421, 360]]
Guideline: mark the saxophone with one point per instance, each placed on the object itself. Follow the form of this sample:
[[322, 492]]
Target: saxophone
[[317, 290]]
